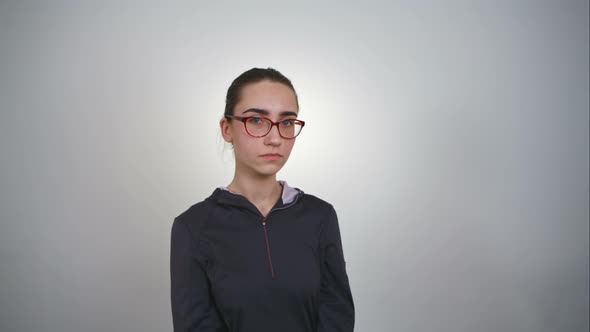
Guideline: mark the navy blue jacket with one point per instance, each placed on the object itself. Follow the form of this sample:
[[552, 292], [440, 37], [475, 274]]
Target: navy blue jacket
[[234, 270]]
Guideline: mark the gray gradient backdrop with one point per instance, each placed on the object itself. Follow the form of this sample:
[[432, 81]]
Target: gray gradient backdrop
[[451, 136]]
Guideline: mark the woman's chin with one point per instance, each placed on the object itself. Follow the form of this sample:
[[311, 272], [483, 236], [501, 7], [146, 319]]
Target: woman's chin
[[269, 170]]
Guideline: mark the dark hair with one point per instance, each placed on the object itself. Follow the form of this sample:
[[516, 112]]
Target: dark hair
[[253, 75]]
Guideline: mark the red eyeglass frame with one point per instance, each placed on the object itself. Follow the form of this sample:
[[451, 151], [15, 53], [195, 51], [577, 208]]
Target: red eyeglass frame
[[246, 118]]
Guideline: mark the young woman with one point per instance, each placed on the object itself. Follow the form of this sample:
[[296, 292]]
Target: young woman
[[259, 255]]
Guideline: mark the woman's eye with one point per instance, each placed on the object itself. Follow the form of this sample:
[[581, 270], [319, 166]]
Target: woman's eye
[[287, 123], [255, 120]]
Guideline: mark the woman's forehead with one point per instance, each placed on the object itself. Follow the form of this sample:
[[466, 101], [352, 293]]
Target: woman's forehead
[[271, 97]]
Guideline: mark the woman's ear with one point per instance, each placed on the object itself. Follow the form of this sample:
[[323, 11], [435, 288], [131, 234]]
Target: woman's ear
[[225, 130]]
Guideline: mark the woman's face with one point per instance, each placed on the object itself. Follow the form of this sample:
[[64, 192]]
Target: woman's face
[[261, 156]]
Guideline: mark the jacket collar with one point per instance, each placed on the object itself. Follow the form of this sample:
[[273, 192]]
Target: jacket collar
[[289, 196]]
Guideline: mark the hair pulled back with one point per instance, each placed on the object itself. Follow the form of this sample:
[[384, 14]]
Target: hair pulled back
[[253, 75]]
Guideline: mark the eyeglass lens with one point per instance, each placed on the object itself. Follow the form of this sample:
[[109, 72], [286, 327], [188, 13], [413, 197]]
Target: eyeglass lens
[[261, 127]]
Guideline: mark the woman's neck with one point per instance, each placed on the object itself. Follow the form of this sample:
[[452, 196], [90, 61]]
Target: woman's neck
[[263, 192]]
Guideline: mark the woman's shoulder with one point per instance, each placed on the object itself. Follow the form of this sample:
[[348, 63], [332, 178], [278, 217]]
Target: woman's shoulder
[[316, 201], [291, 193], [197, 213], [318, 205]]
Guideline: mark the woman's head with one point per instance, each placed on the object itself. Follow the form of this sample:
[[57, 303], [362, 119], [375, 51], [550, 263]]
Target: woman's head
[[260, 96], [253, 75]]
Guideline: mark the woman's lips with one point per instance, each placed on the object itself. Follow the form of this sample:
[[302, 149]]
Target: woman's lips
[[271, 156]]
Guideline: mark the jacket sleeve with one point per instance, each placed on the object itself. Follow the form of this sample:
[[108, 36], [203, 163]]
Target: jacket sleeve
[[336, 307], [193, 308]]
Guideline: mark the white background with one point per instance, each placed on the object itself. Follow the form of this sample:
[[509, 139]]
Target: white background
[[451, 137]]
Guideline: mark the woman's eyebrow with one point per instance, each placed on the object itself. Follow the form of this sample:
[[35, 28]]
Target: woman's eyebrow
[[256, 110], [288, 113], [265, 112]]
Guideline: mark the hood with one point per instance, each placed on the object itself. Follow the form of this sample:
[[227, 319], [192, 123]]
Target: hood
[[289, 196]]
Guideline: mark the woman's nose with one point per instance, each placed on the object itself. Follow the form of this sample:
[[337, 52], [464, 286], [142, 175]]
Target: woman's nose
[[273, 137]]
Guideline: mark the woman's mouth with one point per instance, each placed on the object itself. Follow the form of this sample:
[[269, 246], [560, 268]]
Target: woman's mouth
[[271, 156]]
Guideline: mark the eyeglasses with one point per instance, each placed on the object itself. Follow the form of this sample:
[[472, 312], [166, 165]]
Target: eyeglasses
[[259, 126]]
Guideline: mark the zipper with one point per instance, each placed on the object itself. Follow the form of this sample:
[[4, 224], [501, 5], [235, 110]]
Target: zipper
[[263, 220], [267, 241], [272, 270]]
